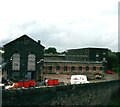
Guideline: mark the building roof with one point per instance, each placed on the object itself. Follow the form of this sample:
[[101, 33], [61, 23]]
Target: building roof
[[54, 55], [89, 48], [69, 61], [23, 36]]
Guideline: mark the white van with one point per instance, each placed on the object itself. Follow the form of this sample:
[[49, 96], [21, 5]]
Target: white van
[[78, 79]]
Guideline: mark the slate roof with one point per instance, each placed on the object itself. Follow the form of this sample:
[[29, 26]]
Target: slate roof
[[23, 36]]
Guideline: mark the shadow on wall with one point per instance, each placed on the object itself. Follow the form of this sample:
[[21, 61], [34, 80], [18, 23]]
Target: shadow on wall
[[80, 94]]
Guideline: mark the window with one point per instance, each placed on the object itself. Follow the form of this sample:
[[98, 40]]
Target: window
[[80, 68], [94, 68], [31, 62], [58, 67], [65, 68], [49, 67], [16, 62], [101, 68], [87, 68], [72, 68]]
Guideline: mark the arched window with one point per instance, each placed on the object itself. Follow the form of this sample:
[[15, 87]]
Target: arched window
[[94, 68], [31, 62], [72, 68], [80, 68], [101, 68], [49, 67], [58, 67], [87, 68], [16, 61], [65, 68]]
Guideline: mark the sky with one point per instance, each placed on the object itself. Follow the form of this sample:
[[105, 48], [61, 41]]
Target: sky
[[63, 24]]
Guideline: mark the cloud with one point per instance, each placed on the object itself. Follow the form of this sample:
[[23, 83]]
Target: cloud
[[63, 24]]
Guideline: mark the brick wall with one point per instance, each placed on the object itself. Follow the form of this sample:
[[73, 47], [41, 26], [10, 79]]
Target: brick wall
[[69, 67]]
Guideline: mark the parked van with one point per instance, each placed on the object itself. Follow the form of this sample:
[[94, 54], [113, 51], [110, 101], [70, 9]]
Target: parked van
[[78, 79]]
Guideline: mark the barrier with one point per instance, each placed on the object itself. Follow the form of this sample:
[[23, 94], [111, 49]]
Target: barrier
[[26, 84], [20, 84], [50, 83], [32, 83], [55, 81]]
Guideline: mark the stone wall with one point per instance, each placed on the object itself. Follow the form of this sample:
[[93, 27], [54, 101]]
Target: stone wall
[[82, 94]]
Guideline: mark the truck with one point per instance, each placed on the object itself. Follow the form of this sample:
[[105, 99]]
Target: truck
[[78, 79]]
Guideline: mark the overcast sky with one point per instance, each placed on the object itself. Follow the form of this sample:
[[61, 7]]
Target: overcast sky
[[64, 24]]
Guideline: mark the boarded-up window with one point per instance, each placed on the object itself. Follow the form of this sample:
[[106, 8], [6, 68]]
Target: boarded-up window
[[16, 62], [31, 62]]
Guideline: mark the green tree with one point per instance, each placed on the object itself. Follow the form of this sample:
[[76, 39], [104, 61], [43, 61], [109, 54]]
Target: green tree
[[64, 52], [112, 60], [51, 50]]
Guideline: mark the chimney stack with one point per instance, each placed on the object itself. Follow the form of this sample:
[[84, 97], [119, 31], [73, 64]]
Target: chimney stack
[[39, 42]]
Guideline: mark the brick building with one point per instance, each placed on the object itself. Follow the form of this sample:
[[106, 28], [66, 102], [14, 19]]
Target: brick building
[[87, 54], [76, 60]]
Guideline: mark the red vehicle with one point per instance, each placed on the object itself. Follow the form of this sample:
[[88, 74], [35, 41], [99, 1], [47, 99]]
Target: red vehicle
[[110, 72]]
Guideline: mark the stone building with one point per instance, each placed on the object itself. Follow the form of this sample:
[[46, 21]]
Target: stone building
[[23, 57]]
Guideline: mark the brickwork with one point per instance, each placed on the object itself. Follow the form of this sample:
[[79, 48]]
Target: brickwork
[[70, 66]]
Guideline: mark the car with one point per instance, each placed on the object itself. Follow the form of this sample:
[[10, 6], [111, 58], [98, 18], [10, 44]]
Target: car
[[98, 76], [110, 72]]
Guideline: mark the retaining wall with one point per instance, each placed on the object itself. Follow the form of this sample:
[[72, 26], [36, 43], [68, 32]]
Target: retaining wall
[[82, 94]]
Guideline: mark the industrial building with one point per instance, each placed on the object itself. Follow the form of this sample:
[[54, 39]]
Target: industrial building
[[76, 60], [24, 58]]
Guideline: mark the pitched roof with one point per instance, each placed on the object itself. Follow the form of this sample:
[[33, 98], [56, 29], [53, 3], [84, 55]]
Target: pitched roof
[[24, 36]]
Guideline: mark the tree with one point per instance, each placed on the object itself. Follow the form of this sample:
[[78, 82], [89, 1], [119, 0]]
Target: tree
[[64, 52], [51, 50], [112, 60]]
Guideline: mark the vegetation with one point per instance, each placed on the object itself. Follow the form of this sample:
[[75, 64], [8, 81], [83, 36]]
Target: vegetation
[[50, 50], [113, 61], [53, 50]]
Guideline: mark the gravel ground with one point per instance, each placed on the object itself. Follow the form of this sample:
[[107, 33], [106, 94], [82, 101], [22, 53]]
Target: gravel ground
[[66, 78]]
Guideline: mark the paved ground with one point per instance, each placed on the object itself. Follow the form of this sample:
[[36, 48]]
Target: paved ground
[[66, 78]]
